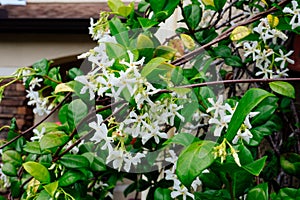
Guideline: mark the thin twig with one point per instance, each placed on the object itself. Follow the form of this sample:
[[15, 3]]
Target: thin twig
[[231, 82]]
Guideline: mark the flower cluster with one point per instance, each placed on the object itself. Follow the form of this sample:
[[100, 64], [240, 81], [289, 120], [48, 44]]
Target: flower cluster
[[221, 116], [269, 63]]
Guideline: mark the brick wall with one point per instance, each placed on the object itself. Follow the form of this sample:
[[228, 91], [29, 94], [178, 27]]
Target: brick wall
[[14, 104]]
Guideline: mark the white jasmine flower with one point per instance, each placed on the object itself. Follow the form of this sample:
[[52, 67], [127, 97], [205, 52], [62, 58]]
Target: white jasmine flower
[[284, 58], [244, 134], [281, 73], [132, 160], [154, 132], [251, 48], [101, 132], [267, 73], [278, 34], [35, 82], [181, 191], [117, 157], [132, 63], [220, 123], [38, 134], [216, 106], [196, 183], [295, 21], [88, 85]]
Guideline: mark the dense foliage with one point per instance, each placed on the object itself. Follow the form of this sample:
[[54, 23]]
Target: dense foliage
[[198, 114]]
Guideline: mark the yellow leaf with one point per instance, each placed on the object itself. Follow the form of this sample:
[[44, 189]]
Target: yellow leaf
[[188, 41], [273, 20], [265, 2], [208, 2], [63, 87], [239, 33]]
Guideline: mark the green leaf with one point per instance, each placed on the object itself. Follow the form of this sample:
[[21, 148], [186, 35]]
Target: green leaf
[[205, 36], [115, 51], [77, 110], [151, 65], [74, 72], [13, 157], [184, 139], [211, 180], [222, 51], [38, 171], [219, 4], [192, 14], [249, 101], [259, 192], [43, 195], [62, 114], [74, 161], [118, 29], [165, 52], [9, 169], [124, 11], [114, 5], [234, 61], [96, 163], [193, 160], [32, 147], [41, 67], [146, 23], [54, 74], [145, 46], [266, 109], [283, 88], [255, 167], [162, 194], [157, 5], [53, 139], [288, 194], [70, 177], [51, 188]]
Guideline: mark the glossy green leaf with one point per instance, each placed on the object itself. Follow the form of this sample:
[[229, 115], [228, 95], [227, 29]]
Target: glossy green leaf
[[249, 101], [255, 167], [70, 177], [118, 29], [165, 52], [51, 188], [74, 161], [266, 109], [32, 147], [53, 139], [211, 180], [9, 169], [259, 192], [234, 61], [145, 46], [74, 72], [124, 11], [151, 65], [96, 163], [42, 67], [147, 23], [114, 5], [162, 194], [219, 4], [13, 157], [287, 194], [115, 51], [43, 195], [184, 139], [283, 88], [222, 51], [63, 113], [55, 77], [192, 14], [38, 171], [77, 110], [193, 160]]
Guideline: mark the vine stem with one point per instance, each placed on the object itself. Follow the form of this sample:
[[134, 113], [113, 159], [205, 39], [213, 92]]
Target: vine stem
[[36, 125], [184, 59], [231, 82]]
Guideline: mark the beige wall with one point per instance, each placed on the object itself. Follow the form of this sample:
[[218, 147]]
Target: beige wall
[[18, 50]]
